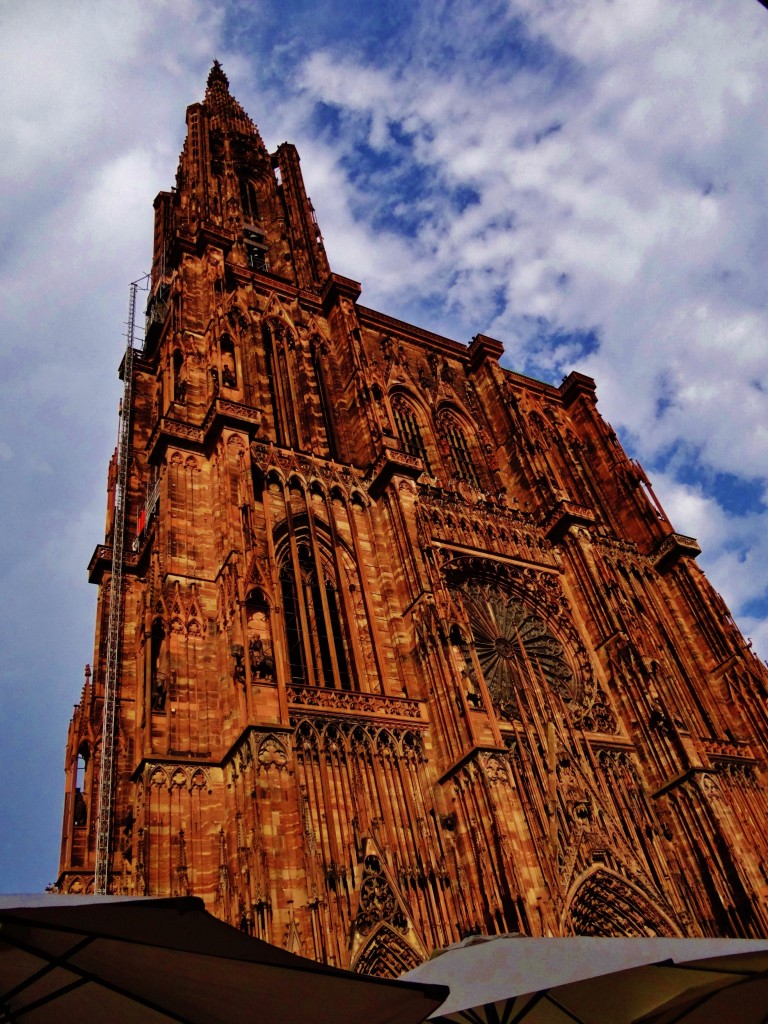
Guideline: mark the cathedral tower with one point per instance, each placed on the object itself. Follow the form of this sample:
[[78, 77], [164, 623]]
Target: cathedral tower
[[402, 645]]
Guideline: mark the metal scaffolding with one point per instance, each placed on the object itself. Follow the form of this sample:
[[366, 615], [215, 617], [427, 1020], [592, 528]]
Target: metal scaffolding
[[114, 630]]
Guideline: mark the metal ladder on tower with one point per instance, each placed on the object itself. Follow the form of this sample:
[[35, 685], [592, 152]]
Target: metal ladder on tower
[[115, 626]]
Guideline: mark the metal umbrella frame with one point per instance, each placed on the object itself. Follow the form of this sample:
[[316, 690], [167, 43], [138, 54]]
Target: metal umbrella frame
[[157, 960]]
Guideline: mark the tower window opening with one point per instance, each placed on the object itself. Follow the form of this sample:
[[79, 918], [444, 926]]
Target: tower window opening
[[256, 251], [80, 815], [158, 681], [249, 202], [257, 258]]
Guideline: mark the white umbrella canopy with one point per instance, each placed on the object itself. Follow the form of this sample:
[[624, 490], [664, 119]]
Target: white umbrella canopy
[[519, 980], [122, 960]]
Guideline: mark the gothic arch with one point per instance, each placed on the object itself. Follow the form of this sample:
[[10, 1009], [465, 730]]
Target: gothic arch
[[238, 318], [458, 443], [604, 903], [318, 489], [296, 482], [287, 400], [249, 200], [386, 955], [319, 621], [414, 427], [302, 532]]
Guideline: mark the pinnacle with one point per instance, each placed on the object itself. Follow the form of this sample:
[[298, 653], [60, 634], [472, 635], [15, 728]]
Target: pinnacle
[[216, 76]]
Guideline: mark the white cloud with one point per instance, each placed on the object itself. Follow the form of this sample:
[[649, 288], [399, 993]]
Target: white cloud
[[625, 197]]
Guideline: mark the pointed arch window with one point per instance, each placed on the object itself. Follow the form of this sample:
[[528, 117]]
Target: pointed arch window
[[158, 681], [318, 648], [408, 428], [281, 391], [461, 454], [249, 201], [80, 813]]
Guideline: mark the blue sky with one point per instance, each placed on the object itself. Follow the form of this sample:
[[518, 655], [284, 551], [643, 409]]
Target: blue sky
[[583, 180]]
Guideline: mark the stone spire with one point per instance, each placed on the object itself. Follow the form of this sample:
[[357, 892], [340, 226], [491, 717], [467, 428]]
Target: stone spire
[[226, 112]]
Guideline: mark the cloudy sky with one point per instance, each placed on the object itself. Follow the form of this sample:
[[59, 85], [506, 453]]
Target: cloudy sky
[[583, 179]]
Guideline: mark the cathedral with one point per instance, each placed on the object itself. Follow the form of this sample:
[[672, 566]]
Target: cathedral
[[394, 645]]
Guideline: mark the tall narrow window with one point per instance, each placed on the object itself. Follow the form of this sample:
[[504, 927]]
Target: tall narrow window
[[81, 807], [408, 429], [337, 636], [249, 201], [293, 632], [318, 651], [158, 681], [179, 378], [461, 455], [279, 381], [228, 365]]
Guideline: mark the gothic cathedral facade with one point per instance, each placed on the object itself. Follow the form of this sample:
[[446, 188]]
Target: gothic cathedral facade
[[408, 648]]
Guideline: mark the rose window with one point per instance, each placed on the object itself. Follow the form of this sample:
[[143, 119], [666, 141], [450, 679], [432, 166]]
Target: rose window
[[513, 644]]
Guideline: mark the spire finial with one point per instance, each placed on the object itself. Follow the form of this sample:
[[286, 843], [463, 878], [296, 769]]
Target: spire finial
[[225, 111], [216, 76]]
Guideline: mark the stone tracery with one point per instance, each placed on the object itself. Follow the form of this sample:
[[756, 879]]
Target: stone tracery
[[513, 644]]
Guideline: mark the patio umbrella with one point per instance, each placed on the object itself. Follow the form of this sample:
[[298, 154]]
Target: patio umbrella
[[518, 980], [744, 1001], [157, 960]]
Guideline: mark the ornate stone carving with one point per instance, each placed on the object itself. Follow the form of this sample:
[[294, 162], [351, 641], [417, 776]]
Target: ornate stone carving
[[606, 904], [599, 717], [377, 899], [352, 701], [512, 643], [271, 753], [387, 955]]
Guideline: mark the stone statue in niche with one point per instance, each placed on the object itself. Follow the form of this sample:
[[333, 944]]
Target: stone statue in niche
[[159, 694], [262, 664], [259, 639], [81, 810]]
